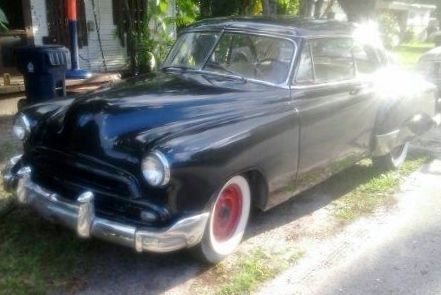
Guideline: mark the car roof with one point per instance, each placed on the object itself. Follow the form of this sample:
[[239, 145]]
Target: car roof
[[282, 25]]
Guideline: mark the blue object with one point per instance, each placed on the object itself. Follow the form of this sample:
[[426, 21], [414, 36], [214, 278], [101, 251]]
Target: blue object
[[43, 69], [78, 74], [75, 72]]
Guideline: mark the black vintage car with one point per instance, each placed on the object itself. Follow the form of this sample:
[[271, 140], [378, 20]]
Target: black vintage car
[[245, 112]]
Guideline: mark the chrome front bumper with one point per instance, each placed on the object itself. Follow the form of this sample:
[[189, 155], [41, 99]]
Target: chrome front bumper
[[80, 216]]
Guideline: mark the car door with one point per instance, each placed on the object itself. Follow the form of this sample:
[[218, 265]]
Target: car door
[[337, 108]]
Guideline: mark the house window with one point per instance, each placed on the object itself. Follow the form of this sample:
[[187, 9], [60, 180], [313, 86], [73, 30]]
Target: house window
[[57, 23], [120, 16]]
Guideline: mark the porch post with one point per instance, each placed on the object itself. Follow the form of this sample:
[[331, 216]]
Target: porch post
[[75, 72]]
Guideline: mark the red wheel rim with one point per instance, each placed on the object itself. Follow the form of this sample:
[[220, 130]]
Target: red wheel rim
[[227, 212]]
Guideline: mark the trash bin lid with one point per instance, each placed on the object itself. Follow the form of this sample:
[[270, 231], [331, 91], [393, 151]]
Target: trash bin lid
[[56, 55], [40, 48]]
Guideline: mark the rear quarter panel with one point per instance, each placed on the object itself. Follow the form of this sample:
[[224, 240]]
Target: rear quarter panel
[[408, 104]]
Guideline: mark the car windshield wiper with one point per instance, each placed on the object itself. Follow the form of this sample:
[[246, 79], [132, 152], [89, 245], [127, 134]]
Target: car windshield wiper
[[222, 68]]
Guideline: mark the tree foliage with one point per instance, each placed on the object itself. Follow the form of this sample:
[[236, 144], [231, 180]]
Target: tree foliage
[[150, 42], [288, 7], [390, 28], [187, 11], [3, 21], [358, 10], [147, 35], [216, 8]]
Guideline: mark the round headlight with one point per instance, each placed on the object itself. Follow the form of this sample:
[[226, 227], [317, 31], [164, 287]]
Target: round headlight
[[156, 169], [21, 128]]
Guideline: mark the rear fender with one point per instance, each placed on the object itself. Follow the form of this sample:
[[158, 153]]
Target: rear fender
[[400, 121]]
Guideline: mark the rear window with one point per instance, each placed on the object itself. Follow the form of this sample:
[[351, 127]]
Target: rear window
[[335, 59]]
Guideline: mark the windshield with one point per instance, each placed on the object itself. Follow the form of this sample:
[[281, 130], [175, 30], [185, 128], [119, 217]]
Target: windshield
[[249, 56]]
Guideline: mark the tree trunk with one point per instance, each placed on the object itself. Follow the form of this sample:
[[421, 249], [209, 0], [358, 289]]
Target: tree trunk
[[245, 7], [273, 7], [205, 8], [318, 8], [266, 7], [131, 42], [358, 10], [306, 8], [328, 9]]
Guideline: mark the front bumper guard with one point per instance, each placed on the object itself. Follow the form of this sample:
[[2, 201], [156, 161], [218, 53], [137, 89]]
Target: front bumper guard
[[80, 216]]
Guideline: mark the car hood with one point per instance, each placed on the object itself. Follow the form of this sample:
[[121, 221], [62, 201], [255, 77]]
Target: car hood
[[140, 112]]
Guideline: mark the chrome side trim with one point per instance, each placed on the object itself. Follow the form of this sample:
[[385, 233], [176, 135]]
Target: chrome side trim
[[80, 216]]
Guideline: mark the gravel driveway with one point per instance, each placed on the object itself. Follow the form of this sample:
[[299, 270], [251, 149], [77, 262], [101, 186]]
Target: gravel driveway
[[393, 252]]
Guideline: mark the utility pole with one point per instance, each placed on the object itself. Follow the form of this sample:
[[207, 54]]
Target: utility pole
[[75, 72]]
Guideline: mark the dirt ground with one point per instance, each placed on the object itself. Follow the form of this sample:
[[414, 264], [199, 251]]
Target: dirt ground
[[390, 252]]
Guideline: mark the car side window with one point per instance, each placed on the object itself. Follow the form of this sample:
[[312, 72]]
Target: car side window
[[305, 72], [366, 59], [333, 60]]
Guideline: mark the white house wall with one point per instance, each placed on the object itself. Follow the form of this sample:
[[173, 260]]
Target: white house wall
[[90, 56], [39, 21], [115, 54]]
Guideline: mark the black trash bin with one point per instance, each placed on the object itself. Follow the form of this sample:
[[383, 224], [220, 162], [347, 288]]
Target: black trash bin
[[43, 68]]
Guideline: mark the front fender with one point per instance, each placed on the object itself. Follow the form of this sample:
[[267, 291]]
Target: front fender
[[202, 162], [39, 112]]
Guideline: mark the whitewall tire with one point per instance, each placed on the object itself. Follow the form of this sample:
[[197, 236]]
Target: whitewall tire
[[229, 215], [394, 159]]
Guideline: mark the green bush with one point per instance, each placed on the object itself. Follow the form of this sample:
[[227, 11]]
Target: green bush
[[408, 36], [3, 21], [390, 29]]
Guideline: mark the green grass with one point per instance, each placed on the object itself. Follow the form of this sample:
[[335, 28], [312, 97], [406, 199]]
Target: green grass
[[249, 270], [409, 54], [7, 150], [37, 257], [376, 191]]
